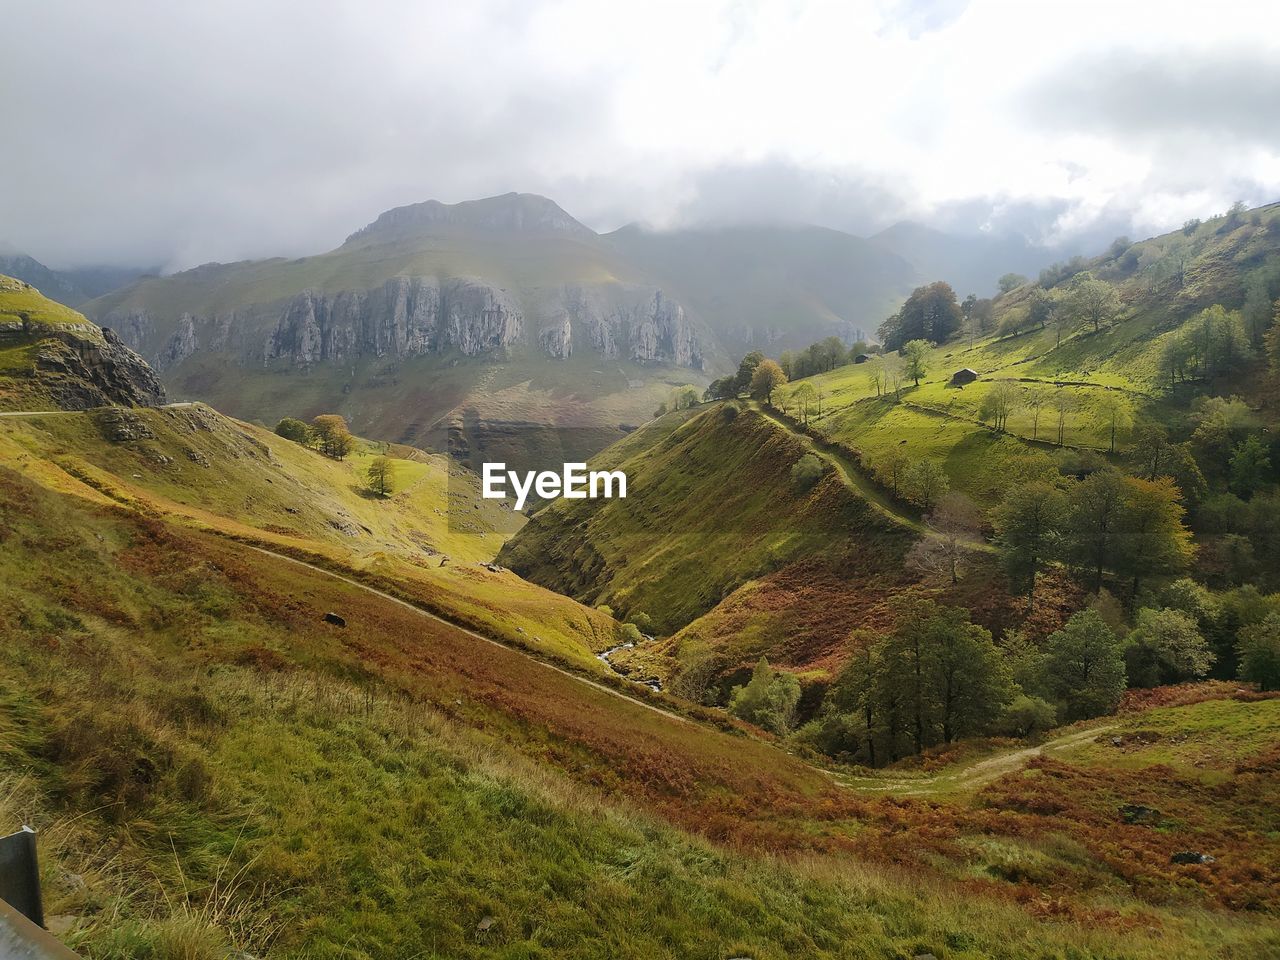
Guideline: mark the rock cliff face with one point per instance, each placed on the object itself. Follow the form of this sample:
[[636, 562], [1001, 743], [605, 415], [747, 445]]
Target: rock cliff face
[[66, 359], [416, 316], [80, 373], [406, 317]]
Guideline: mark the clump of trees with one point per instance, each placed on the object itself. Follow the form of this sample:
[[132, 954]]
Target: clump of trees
[[327, 433], [936, 677], [1107, 523], [931, 314], [681, 398], [1212, 346]]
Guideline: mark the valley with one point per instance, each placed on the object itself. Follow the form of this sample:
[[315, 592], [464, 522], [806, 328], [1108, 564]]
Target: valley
[[333, 720]]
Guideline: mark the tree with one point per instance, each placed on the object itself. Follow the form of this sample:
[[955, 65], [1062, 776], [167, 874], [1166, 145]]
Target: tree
[[806, 471], [1001, 400], [1035, 399], [1151, 453], [1027, 715], [682, 398], [1064, 404], [876, 374], [381, 475], [925, 483], [1084, 667], [295, 430], [971, 681], [955, 522], [833, 352], [1094, 508], [787, 361], [1011, 281], [766, 378], [1271, 339], [746, 370], [332, 435], [768, 700], [804, 395], [1113, 414], [1250, 467], [892, 469], [949, 674], [1029, 530], [724, 388], [1092, 301], [1165, 646], [1041, 308], [1259, 653], [1152, 537], [916, 353]]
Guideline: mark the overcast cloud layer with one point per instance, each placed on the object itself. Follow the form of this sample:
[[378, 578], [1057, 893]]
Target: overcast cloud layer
[[152, 133]]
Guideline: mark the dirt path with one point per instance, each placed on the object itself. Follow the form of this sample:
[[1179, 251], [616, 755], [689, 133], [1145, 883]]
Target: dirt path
[[973, 775], [55, 413], [857, 480], [471, 633]]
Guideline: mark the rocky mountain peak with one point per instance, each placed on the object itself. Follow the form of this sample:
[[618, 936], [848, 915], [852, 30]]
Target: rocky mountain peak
[[520, 213]]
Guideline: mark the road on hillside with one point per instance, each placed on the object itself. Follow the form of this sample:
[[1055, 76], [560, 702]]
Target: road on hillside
[[471, 633], [46, 413]]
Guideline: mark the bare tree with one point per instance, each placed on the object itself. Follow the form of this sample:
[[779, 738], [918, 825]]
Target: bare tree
[[954, 524], [1035, 399], [1064, 403], [1001, 401]]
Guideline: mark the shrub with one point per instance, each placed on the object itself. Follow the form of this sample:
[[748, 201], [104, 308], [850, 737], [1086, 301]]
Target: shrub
[[806, 472], [768, 700], [1165, 646], [1025, 716]]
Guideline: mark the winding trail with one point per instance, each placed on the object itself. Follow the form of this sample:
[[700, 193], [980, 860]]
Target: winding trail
[[973, 775], [856, 480]]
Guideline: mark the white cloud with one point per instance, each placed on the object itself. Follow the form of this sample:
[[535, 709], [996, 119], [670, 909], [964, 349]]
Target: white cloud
[[187, 132]]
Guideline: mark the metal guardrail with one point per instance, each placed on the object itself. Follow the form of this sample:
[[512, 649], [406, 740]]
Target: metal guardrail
[[20, 939], [22, 933], [20, 875]]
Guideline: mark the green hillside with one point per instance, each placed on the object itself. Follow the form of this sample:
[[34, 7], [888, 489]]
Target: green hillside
[[711, 504], [434, 533]]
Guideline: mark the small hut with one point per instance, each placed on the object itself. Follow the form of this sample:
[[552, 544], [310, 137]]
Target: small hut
[[963, 376], [861, 358]]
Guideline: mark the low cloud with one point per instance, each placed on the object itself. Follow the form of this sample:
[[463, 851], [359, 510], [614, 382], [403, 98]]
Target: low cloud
[[181, 133]]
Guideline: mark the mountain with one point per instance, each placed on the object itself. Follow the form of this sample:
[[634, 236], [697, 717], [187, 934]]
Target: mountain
[[970, 263], [71, 287], [773, 287], [495, 314], [51, 356]]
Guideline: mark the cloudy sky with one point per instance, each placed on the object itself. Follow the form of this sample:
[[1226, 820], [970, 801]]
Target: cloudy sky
[[176, 133]]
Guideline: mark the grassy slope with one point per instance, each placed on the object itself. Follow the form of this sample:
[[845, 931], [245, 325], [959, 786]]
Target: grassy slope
[[213, 472], [710, 505], [944, 423], [379, 791]]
